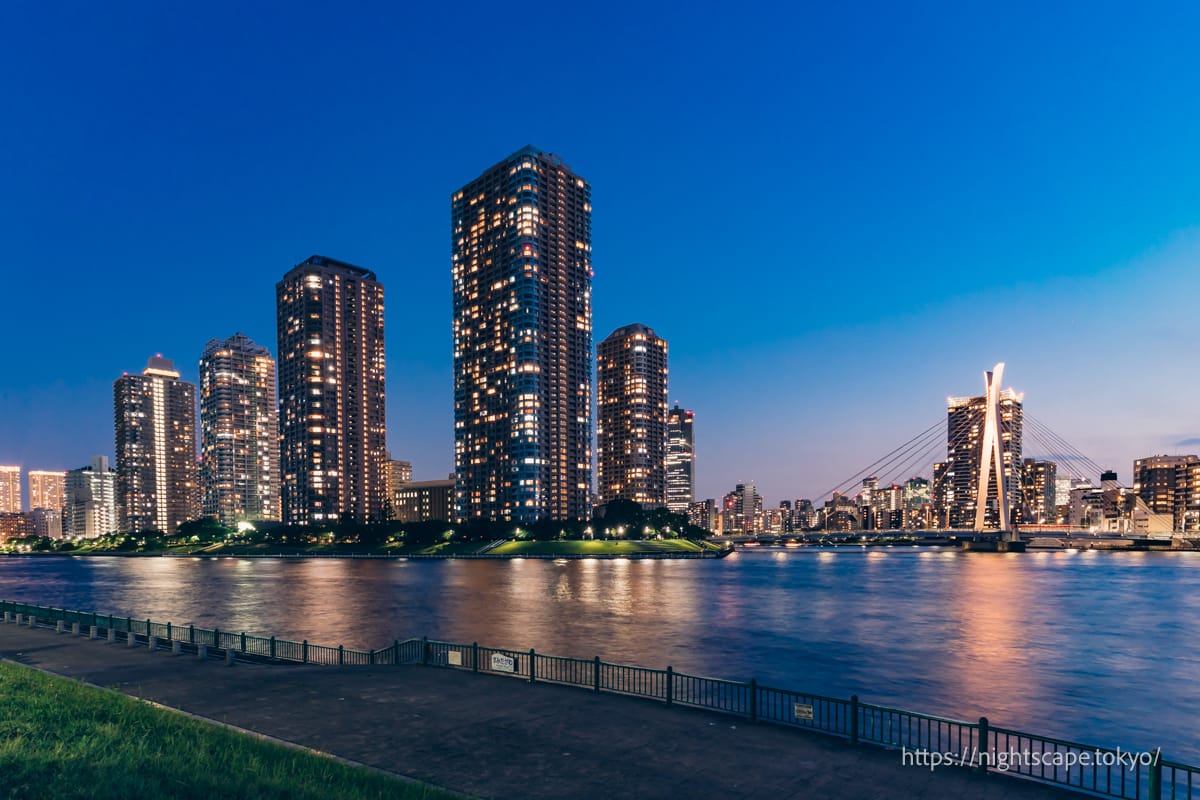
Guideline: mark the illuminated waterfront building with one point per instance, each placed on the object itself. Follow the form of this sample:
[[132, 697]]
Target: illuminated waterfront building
[[157, 478], [239, 432], [954, 488], [522, 326], [332, 418], [47, 489], [1170, 485], [631, 434], [425, 501], [10, 490], [681, 459], [1039, 491], [91, 501]]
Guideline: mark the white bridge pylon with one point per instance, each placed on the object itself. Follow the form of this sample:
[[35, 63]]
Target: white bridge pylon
[[991, 454]]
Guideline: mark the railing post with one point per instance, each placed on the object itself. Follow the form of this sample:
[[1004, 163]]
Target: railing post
[[1155, 792], [217, 638], [147, 629], [371, 657], [304, 652], [984, 736], [532, 665], [170, 638], [129, 624], [670, 685], [753, 700], [853, 719], [341, 655], [243, 641], [424, 650], [596, 675], [272, 647], [192, 634], [474, 656]]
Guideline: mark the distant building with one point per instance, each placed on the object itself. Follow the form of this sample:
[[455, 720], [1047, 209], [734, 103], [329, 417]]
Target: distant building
[[47, 489], [631, 433], [91, 495], [10, 490], [955, 479], [681, 459], [703, 514], [332, 401], [158, 483], [46, 522], [522, 324], [1039, 491], [398, 474], [741, 510], [239, 431], [424, 501], [1164, 484], [14, 525]]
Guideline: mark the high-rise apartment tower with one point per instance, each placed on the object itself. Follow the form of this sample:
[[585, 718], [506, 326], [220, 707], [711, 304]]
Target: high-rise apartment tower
[[522, 299], [239, 432], [955, 479], [157, 479], [631, 401], [681, 459], [10, 490], [332, 418]]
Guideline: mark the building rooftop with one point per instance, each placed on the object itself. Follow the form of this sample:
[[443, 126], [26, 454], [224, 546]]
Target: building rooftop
[[325, 262]]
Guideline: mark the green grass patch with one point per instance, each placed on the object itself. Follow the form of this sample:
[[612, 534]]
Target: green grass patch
[[596, 547], [61, 739]]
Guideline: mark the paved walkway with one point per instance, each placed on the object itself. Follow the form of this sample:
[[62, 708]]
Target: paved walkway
[[499, 737]]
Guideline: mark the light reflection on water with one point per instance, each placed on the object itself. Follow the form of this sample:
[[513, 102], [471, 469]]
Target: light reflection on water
[[1099, 647]]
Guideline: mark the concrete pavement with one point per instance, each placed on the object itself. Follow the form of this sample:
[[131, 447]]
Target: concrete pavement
[[500, 737]]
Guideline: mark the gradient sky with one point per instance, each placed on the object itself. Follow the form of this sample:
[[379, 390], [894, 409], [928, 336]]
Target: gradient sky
[[836, 214]]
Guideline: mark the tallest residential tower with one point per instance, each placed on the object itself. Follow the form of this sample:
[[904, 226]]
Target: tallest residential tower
[[522, 269], [331, 393]]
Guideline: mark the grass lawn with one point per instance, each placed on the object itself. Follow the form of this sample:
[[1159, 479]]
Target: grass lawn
[[59, 738], [598, 547]]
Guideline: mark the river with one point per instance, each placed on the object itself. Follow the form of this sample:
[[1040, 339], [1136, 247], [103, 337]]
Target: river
[[1098, 647]]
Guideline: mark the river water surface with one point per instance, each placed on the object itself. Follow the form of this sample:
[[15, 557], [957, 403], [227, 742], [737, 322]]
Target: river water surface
[[1098, 647]]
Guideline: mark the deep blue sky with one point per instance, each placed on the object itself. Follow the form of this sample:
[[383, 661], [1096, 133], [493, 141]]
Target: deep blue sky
[[837, 214]]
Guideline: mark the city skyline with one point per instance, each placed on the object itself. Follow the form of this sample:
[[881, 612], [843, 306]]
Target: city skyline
[[1069, 203]]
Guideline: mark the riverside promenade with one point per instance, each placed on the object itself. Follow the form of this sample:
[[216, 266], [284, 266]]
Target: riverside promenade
[[497, 737]]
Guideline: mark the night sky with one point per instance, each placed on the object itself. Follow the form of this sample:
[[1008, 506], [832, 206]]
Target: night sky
[[837, 215]]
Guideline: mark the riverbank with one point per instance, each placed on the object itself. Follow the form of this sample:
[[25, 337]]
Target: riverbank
[[568, 549], [499, 737]]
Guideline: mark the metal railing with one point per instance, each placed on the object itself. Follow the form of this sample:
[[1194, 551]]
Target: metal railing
[[1097, 771]]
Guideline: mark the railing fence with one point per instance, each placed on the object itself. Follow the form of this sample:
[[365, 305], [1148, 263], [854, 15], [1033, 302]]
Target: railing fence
[[1097, 771]]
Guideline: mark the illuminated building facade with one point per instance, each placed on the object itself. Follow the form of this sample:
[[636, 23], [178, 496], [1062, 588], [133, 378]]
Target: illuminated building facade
[[1168, 485], [10, 490], [91, 508], [158, 484], [47, 489], [239, 431], [954, 491], [425, 501], [522, 325], [681, 459], [1039, 491], [332, 418], [631, 398]]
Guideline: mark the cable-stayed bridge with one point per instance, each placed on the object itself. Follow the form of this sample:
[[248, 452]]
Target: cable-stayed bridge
[[969, 477]]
